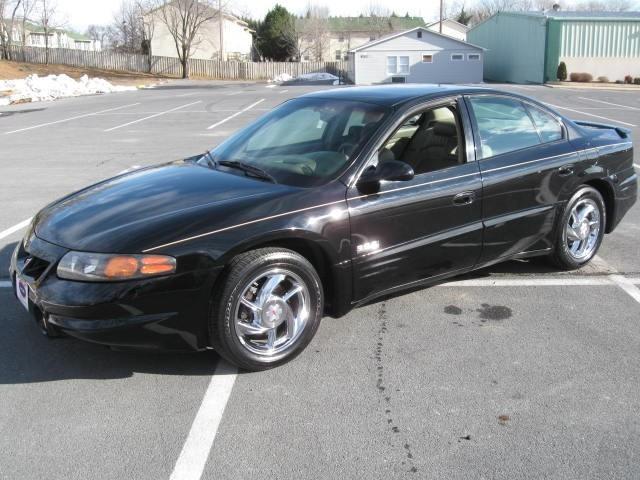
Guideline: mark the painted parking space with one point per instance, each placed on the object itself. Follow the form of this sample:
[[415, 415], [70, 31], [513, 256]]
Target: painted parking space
[[558, 346]]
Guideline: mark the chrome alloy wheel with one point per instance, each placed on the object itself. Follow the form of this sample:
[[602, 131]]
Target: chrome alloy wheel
[[582, 229], [272, 312]]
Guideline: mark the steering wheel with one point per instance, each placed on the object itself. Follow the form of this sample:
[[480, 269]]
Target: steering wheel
[[346, 148], [301, 163]]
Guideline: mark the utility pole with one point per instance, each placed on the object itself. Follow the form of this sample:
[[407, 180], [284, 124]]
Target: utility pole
[[441, 8], [221, 28]]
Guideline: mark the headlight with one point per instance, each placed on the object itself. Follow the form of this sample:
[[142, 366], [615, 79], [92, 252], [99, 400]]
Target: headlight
[[100, 267]]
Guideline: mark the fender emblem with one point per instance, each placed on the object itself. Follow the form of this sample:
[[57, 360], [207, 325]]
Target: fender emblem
[[368, 247]]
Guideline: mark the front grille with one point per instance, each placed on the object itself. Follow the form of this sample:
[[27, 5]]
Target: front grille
[[34, 267]]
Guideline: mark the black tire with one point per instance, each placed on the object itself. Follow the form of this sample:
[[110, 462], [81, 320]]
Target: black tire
[[561, 256], [238, 273]]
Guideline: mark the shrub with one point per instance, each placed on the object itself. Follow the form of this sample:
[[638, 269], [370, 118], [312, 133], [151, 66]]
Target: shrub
[[603, 79], [636, 81], [562, 72], [581, 77], [619, 81], [628, 79]]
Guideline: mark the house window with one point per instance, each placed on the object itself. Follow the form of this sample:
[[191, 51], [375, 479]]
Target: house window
[[372, 38], [392, 65], [419, 33], [473, 56], [398, 65], [427, 58], [341, 38], [338, 55], [457, 57]]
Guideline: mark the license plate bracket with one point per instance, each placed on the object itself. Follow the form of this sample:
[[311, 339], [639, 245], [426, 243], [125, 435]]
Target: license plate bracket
[[22, 292]]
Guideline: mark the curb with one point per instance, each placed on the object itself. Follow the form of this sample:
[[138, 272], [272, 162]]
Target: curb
[[622, 88]]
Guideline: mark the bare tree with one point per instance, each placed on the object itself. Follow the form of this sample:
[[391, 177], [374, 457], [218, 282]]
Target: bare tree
[[98, 34], [7, 25], [314, 34], [126, 32], [148, 28], [27, 11], [602, 6], [184, 19], [380, 19], [49, 21]]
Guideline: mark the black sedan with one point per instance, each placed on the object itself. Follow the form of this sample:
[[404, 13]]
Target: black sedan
[[325, 203]]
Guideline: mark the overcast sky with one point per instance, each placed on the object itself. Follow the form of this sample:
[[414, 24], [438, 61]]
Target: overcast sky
[[81, 13]]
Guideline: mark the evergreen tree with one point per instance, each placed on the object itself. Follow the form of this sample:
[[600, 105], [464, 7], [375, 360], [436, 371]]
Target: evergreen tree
[[276, 35]]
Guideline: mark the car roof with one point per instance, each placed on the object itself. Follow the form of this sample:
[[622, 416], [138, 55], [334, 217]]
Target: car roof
[[394, 95]]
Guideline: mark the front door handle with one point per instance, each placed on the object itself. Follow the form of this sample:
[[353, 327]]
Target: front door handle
[[464, 198], [565, 170]]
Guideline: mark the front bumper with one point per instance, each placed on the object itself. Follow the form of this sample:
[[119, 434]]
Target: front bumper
[[162, 313]]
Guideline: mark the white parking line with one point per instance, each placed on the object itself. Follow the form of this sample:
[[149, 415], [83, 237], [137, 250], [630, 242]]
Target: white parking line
[[592, 115], [4, 284], [194, 454], [609, 103], [235, 114], [15, 228], [627, 285], [636, 165], [284, 91], [151, 116], [521, 87], [530, 282], [71, 118]]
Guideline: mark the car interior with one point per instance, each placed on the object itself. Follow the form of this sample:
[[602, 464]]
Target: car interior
[[428, 141]]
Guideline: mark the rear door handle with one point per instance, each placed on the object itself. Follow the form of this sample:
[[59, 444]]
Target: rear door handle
[[464, 198], [565, 170]]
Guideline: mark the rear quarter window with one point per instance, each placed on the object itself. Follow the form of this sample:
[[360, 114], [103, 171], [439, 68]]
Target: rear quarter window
[[548, 126]]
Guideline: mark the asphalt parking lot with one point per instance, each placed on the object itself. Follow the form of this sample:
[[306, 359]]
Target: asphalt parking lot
[[515, 372]]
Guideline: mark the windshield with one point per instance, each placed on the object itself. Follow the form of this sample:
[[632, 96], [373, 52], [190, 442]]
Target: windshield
[[304, 142]]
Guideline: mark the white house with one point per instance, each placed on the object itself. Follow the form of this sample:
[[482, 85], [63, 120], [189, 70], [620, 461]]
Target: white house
[[418, 55], [450, 28], [237, 40]]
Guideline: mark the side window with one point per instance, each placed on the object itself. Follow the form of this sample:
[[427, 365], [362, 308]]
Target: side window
[[428, 141], [548, 126], [503, 125]]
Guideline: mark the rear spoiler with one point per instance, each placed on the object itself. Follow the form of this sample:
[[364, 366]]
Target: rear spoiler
[[623, 132]]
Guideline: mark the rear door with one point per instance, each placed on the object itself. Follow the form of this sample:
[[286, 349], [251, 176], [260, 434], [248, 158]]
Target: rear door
[[409, 231], [525, 159]]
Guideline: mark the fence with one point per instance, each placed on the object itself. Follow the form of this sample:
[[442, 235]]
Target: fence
[[169, 66]]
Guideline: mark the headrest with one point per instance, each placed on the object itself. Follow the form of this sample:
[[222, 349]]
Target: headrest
[[355, 131], [445, 129], [385, 155]]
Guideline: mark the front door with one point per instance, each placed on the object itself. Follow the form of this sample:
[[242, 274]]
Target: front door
[[409, 231]]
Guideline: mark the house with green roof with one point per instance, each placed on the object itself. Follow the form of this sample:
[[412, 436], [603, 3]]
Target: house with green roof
[[58, 37], [527, 47], [331, 39]]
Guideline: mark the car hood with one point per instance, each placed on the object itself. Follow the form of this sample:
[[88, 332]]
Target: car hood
[[132, 212]]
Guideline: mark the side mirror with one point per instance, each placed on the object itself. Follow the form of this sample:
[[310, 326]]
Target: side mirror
[[390, 170]]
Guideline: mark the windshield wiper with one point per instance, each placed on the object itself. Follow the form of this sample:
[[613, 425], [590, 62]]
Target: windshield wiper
[[209, 159], [248, 169]]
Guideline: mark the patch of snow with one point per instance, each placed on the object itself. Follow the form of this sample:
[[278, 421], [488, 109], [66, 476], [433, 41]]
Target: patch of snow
[[39, 89], [282, 77]]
